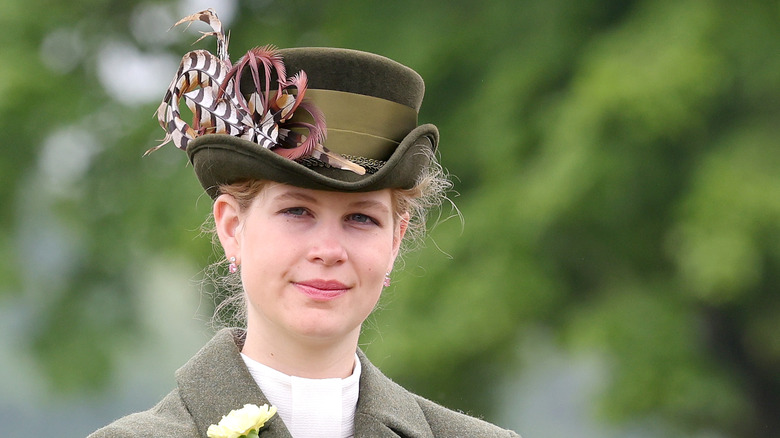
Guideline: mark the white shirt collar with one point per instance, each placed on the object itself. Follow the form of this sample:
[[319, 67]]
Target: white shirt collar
[[310, 408]]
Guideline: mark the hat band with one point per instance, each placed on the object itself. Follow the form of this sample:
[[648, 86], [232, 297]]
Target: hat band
[[360, 125]]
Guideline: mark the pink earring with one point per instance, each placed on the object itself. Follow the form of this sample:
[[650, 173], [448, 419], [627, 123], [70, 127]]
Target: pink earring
[[232, 267], [387, 280]]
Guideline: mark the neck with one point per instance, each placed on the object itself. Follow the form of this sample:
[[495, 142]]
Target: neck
[[302, 357]]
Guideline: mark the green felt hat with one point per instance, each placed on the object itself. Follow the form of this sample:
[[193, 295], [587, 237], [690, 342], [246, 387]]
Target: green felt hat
[[370, 104]]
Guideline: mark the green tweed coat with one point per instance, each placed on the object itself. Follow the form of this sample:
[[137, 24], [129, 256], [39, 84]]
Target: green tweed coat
[[216, 381]]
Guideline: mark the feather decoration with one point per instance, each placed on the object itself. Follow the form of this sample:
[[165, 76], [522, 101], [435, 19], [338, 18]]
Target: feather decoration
[[211, 88], [209, 16]]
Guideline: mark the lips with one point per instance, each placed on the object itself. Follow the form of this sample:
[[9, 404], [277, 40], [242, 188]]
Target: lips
[[322, 290]]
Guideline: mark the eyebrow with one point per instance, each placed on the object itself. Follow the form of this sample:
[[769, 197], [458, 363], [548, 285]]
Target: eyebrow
[[370, 204], [299, 196], [362, 204]]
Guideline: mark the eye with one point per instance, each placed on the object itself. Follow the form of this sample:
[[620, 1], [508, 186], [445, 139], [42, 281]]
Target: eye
[[361, 219], [295, 211]]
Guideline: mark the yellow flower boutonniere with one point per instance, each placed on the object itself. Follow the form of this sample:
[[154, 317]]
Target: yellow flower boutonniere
[[242, 423]]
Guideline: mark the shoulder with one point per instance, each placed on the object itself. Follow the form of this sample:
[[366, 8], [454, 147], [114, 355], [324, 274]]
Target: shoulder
[[448, 423], [387, 405], [169, 418]]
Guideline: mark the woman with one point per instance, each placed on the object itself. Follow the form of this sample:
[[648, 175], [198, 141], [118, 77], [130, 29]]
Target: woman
[[311, 231]]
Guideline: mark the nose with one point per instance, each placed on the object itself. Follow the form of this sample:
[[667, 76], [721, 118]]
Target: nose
[[326, 246]]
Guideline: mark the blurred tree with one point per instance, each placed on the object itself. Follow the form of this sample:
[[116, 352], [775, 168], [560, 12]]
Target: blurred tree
[[617, 167]]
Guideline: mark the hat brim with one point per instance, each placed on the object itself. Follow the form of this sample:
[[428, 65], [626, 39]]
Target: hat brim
[[224, 159]]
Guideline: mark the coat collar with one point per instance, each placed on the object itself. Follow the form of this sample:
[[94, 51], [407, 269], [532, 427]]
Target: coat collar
[[216, 381], [385, 409]]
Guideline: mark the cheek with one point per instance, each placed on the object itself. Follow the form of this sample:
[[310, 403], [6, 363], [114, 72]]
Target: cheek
[[379, 257], [264, 255], [258, 241]]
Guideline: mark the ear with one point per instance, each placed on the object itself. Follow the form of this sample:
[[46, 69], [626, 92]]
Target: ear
[[398, 234], [228, 223]]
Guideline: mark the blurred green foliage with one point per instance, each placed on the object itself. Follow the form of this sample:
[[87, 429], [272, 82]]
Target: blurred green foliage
[[617, 167]]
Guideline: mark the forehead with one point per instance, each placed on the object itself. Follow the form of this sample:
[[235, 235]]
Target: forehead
[[278, 192]]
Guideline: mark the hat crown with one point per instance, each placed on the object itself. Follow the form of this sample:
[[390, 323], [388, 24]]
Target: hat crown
[[353, 71]]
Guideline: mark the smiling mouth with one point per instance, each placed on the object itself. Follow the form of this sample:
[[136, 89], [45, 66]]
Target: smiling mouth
[[322, 290]]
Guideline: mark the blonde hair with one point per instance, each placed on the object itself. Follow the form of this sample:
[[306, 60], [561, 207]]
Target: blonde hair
[[428, 194]]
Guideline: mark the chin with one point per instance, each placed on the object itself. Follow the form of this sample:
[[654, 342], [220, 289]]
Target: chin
[[322, 334], [323, 328]]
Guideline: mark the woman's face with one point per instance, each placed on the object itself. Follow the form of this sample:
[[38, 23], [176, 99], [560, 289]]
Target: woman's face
[[312, 262]]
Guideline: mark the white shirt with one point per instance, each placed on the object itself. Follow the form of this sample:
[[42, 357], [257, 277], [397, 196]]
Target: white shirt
[[310, 408]]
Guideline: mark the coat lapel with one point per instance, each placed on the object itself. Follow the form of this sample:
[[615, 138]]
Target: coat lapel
[[385, 409], [216, 381]]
